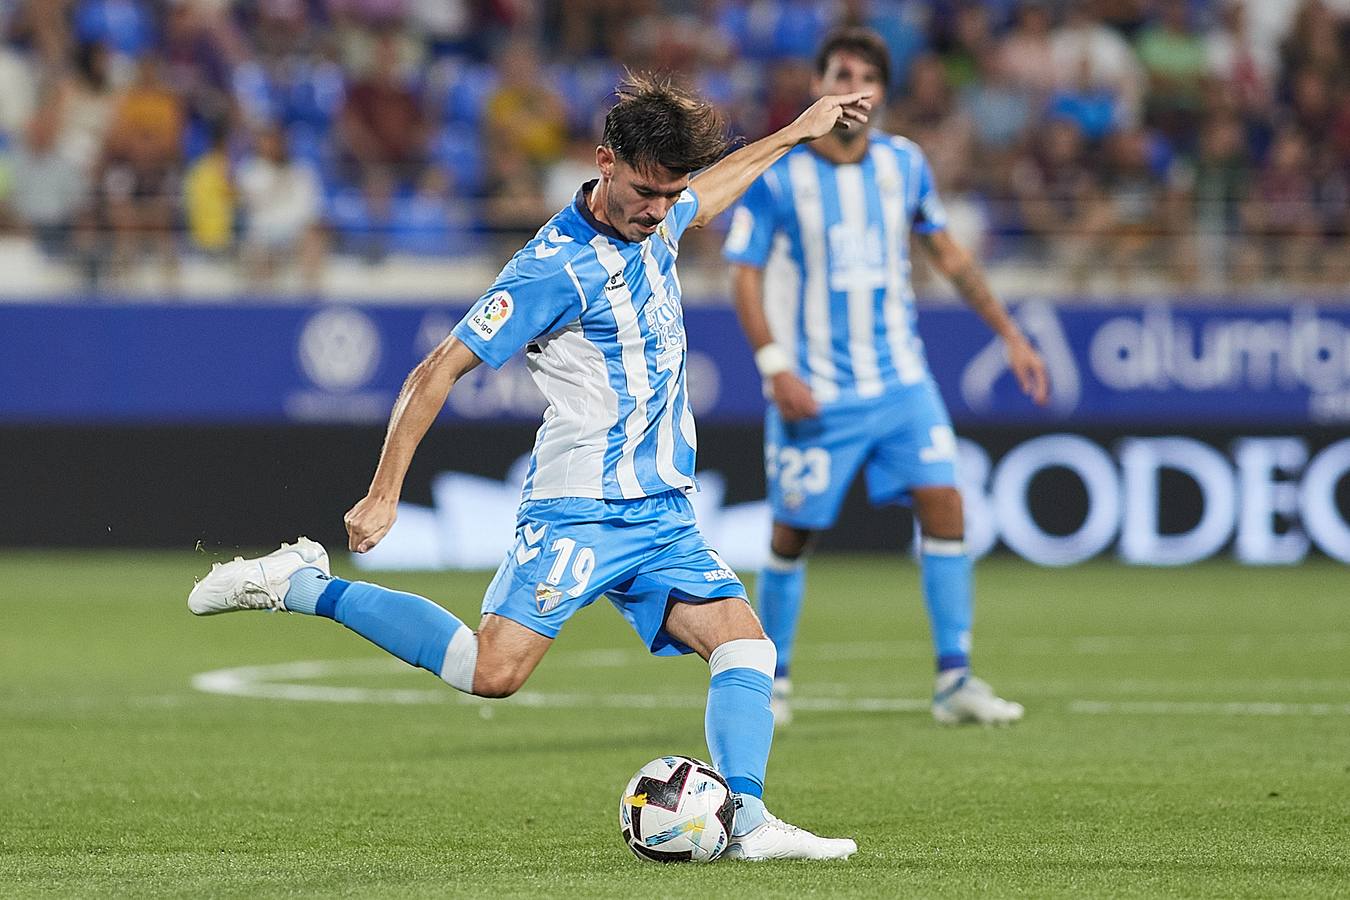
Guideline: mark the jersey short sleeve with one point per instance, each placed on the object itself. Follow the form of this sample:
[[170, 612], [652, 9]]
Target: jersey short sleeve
[[530, 298], [750, 236], [681, 214], [929, 215]]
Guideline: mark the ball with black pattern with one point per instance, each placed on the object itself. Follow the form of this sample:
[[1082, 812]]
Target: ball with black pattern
[[676, 809]]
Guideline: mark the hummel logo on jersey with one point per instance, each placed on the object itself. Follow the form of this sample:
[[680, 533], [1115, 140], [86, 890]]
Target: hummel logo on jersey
[[615, 282], [529, 547], [544, 251]]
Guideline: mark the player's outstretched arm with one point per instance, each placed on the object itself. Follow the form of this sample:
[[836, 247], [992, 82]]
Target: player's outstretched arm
[[965, 274], [419, 402], [719, 185]]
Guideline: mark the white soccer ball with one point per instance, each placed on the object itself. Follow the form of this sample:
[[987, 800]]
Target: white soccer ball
[[677, 809]]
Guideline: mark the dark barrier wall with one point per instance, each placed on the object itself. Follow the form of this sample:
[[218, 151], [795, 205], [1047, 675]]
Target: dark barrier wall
[[1053, 497]]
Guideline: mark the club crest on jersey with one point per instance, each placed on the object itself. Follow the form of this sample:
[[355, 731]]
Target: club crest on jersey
[[489, 320], [547, 597], [666, 237]]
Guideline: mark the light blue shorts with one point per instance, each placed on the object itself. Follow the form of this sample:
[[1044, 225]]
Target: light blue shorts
[[644, 554], [901, 441]]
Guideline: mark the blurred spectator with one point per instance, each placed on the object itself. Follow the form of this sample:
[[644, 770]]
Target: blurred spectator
[[1281, 213], [47, 191], [18, 90], [382, 125], [567, 175], [1057, 198], [1315, 40], [1143, 210], [85, 99], [1244, 66], [789, 90], [524, 115], [281, 200], [928, 115], [1095, 109], [1173, 56], [1110, 62], [970, 41], [141, 170], [208, 196], [1026, 52]]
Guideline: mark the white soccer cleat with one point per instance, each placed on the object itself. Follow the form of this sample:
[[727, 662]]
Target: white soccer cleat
[[259, 583], [970, 700], [776, 839], [780, 702]]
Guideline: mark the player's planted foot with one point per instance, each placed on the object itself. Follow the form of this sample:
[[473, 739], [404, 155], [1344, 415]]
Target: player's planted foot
[[258, 583], [960, 698], [758, 834], [776, 839], [780, 703]]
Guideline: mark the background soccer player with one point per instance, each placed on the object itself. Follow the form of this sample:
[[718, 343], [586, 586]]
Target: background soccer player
[[594, 302], [819, 247]]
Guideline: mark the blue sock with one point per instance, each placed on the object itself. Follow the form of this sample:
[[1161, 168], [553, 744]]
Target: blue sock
[[412, 628], [947, 592], [739, 724], [781, 586]]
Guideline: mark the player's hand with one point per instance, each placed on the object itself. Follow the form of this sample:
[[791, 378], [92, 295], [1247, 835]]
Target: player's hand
[[369, 521], [841, 110], [793, 398], [1029, 368]]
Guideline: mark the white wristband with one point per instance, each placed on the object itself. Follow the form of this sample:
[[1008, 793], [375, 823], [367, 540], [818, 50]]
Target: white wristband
[[771, 359]]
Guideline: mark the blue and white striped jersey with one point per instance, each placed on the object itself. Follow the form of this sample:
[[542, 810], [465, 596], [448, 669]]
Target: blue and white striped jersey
[[834, 243], [600, 320]]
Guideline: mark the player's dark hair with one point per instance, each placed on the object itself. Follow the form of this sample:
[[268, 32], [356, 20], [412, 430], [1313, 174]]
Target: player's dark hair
[[657, 123], [863, 42]]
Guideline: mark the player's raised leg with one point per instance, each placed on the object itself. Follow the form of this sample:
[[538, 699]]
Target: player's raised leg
[[296, 578], [958, 696], [739, 726]]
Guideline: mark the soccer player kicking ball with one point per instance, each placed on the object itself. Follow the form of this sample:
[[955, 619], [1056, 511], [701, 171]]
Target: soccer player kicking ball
[[819, 247], [594, 301]]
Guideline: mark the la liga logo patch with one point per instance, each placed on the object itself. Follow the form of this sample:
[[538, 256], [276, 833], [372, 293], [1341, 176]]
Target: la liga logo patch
[[489, 320]]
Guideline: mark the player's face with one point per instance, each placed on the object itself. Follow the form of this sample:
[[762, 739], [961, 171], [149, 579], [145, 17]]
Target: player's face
[[845, 73], [638, 199]]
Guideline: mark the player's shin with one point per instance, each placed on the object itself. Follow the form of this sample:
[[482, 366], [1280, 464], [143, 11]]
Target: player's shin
[[947, 592], [739, 724], [782, 583], [410, 627]]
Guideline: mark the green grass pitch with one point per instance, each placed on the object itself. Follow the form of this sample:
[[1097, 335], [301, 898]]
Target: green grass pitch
[[1188, 734]]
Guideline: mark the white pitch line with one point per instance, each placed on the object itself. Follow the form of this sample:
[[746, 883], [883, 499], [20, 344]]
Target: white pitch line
[[1212, 708], [278, 682]]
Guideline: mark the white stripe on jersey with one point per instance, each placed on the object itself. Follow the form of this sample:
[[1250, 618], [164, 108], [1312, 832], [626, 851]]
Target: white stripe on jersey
[[908, 364], [671, 361], [862, 336], [806, 190], [634, 356], [567, 461], [783, 295]]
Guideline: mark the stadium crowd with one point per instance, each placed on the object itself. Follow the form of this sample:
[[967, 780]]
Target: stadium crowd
[[1205, 142]]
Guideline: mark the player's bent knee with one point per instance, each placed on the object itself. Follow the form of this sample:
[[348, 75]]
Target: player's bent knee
[[497, 684]]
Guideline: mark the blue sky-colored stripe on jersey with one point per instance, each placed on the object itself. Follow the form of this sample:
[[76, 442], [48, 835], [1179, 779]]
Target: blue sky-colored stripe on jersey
[[829, 205]]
